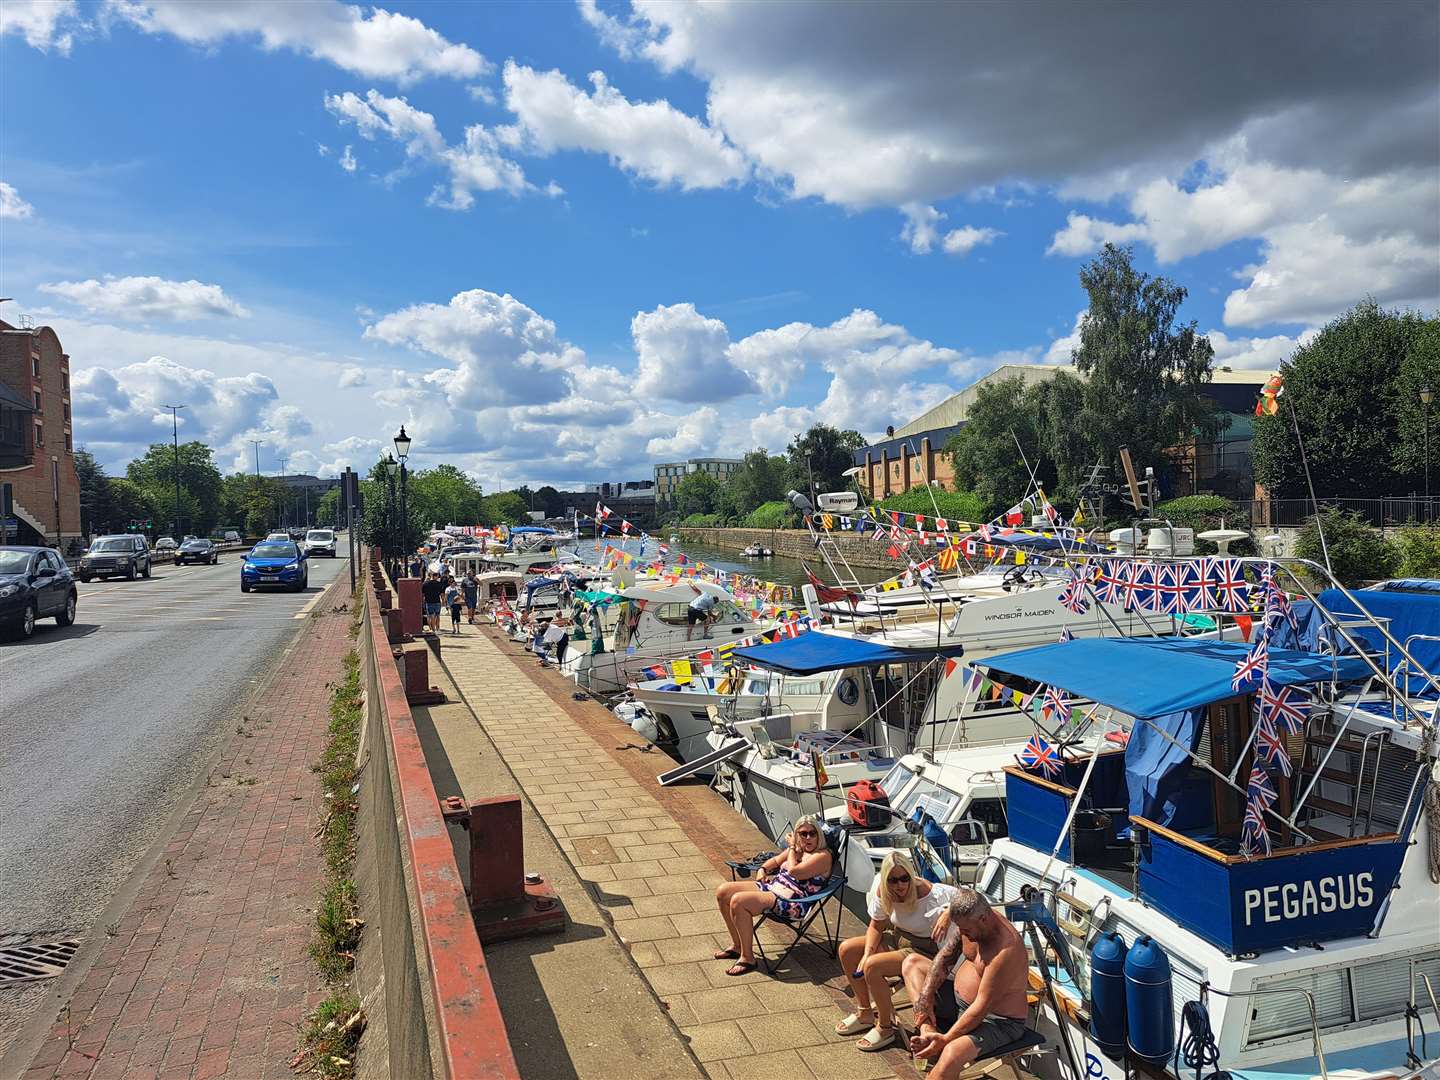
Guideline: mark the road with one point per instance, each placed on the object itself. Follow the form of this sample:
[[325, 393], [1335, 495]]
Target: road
[[106, 724]]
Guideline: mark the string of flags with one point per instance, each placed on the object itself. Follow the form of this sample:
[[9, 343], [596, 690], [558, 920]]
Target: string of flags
[[1260, 796], [713, 664]]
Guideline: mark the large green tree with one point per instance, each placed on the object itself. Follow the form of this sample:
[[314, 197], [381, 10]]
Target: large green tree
[[761, 478], [444, 495], [1355, 394], [826, 452], [200, 483], [697, 493], [1145, 372], [97, 510], [507, 507], [985, 452]]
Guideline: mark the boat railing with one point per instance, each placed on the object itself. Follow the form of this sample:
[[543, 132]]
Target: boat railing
[[1261, 991], [1405, 667], [1412, 1014]]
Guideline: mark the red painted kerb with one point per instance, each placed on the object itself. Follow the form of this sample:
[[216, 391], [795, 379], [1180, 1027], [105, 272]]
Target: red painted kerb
[[472, 1031]]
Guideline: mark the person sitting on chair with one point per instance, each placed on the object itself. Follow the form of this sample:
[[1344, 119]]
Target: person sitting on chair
[[801, 869], [969, 1000], [908, 916]]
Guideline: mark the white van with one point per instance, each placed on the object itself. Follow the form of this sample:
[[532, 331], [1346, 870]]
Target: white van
[[320, 542]]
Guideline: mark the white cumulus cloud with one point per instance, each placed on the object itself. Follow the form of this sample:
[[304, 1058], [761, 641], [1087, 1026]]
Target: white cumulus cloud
[[148, 298], [684, 356], [370, 42], [12, 205], [347, 160], [44, 24]]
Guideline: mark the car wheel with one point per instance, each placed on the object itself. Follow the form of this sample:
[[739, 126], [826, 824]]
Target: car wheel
[[147, 568], [85, 578], [27, 621], [244, 587], [130, 574], [66, 617]]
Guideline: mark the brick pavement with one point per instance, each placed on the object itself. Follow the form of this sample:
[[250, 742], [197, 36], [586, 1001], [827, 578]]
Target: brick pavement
[[207, 974], [652, 857]]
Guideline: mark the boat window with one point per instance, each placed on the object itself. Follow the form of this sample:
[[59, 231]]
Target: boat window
[[1277, 1015], [803, 687], [990, 813], [896, 780], [1382, 989]]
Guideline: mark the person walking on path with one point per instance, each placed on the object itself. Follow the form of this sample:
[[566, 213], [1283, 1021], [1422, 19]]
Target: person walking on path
[[454, 600], [432, 592], [470, 588]]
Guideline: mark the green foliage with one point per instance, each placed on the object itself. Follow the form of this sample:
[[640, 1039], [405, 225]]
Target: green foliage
[[986, 458], [1355, 391], [1145, 373], [331, 1035], [826, 451], [954, 505], [200, 484], [775, 514], [701, 521], [327, 510], [760, 479], [252, 501], [1419, 547], [507, 507], [1358, 553], [1205, 512], [444, 495], [697, 493]]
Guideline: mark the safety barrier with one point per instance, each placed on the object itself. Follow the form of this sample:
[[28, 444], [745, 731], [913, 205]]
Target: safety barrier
[[442, 1017]]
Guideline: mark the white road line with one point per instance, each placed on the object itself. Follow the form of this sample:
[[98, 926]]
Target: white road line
[[304, 611]]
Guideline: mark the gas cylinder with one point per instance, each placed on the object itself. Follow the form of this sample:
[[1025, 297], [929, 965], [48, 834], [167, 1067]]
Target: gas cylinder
[[1149, 1013], [1107, 994]]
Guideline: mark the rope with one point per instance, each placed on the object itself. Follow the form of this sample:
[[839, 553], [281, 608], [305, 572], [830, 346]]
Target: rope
[[1431, 803], [1198, 1050], [1412, 1013]]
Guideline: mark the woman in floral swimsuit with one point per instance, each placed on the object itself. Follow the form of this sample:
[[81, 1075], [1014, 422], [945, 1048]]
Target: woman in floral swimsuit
[[802, 869]]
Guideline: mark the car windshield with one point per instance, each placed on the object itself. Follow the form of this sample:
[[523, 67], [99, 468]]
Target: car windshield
[[196, 543], [273, 551], [111, 545], [319, 534], [13, 562]]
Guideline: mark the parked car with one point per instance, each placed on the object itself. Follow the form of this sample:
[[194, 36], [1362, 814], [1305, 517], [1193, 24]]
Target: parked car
[[35, 584], [275, 562], [115, 556], [165, 543], [197, 551], [232, 537], [320, 542]]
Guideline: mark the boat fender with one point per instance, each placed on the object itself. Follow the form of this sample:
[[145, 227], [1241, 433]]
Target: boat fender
[[1107, 994], [1149, 1012]]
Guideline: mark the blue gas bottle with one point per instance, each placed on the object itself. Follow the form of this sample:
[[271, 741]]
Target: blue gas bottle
[[1149, 1013], [1107, 994]]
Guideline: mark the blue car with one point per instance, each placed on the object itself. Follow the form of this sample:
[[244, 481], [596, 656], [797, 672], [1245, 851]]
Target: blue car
[[275, 562]]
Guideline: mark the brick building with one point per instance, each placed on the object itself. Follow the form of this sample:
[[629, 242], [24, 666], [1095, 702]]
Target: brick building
[[37, 443], [897, 464]]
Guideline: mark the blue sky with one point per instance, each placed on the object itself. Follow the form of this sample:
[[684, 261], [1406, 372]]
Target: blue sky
[[561, 242]]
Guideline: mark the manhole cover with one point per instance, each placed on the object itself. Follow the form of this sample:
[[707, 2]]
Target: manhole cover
[[36, 960]]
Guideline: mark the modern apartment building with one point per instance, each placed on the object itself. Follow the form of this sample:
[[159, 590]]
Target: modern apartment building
[[37, 443], [669, 474]]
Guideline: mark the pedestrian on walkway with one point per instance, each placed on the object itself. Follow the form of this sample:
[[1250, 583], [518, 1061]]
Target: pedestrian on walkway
[[454, 600], [432, 592], [554, 642], [470, 587]]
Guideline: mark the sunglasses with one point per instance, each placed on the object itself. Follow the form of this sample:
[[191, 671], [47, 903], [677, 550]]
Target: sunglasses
[[807, 834], [902, 880]]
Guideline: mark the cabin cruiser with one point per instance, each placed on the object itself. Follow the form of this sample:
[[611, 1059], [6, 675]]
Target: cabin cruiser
[[1272, 856], [652, 622], [757, 551]]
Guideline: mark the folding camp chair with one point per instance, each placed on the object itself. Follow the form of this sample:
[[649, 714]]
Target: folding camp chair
[[813, 908]]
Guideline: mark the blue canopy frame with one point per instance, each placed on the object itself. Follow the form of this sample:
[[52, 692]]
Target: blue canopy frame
[[814, 652]]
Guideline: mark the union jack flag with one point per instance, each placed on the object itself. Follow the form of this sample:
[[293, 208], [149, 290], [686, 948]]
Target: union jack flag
[[1072, 596], [1113, 581], [1066, 635], [663, 549], [1037, 754], [1169, 595], [1058, 702], [1260, 795], [1140, 592], [1277, 604], [1194, 589], [1252, 669], [1285, 705], [1226, 580], [1270, 745]]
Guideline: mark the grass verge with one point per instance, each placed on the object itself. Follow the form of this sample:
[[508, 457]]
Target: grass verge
[[332, 1032]]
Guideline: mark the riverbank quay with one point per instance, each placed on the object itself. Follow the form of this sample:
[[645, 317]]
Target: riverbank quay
[[861, 552], [649, 859], [201, 967]]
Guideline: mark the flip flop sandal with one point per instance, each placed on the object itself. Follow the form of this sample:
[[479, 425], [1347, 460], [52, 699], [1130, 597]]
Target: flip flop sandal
[[875, 1039], [740, 967], [853, 1025], [728, 954]]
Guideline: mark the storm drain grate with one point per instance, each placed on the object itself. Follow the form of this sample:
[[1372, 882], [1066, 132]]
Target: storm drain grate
[[35, 960]]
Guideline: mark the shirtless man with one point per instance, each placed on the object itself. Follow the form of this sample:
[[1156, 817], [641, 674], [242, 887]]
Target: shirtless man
[[983, 1007]]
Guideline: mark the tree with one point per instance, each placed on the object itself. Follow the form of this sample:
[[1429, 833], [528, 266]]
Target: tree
[[200, 483], [549, 500], [327, 510], [984, 452], [697, 493], [826, 452], [759, 479], [249, 502], [509, 507], [97, 510], [1358, 553], [444, 495], [128, 502], [1145, 374], [1355, 394]]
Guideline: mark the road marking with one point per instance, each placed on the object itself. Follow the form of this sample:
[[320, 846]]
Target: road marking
[[304, 611]]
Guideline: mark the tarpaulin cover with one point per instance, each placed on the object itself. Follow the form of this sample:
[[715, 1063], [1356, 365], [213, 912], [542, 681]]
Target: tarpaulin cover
[[1412, 606], [1151, 677], [814, 652]]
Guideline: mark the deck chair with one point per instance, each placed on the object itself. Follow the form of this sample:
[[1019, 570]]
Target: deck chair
[[996, 1063], [818, 909]]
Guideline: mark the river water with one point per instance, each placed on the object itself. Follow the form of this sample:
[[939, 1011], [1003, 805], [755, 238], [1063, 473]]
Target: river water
[[779, 570]]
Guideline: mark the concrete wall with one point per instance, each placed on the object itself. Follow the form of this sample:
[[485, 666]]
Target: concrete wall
[[797, 544]]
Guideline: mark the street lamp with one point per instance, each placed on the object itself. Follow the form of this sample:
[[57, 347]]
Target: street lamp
[[175, 434], [388, 468], [1427, 395], [402, 451]]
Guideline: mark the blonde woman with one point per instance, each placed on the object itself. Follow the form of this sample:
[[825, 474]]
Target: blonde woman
[[801, 869], [908, 915]]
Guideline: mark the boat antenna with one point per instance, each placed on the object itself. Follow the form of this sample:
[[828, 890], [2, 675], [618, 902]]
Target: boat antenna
[[1310, 484]]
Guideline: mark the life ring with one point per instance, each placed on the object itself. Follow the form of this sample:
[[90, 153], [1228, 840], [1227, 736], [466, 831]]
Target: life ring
[[848, 691]]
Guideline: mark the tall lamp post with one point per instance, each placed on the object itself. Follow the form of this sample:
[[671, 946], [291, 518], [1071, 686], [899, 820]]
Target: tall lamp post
[[1427, 395], [175, 434], [284, 493], [389, 467], [402, 451]]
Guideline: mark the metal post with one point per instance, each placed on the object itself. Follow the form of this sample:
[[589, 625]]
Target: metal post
[[404, 512], [175, 435]]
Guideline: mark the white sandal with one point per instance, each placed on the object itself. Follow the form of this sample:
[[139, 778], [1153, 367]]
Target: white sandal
[[876, 1039], [853, 1024]]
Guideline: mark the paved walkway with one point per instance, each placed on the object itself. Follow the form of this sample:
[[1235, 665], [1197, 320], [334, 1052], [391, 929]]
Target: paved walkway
[[653, 857], [208, 973]]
